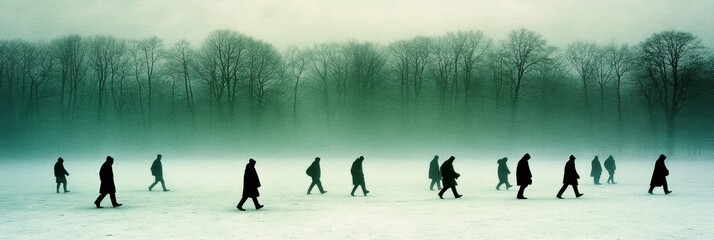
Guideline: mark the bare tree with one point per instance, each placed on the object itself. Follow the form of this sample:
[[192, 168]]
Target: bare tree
[[673, 62], [602, 74], [621, 62], [70, 53], [105, 53], [522, 50], [180, 60], [296, 62], [223, 56], [582, 57], [151, 53], [264, 73]]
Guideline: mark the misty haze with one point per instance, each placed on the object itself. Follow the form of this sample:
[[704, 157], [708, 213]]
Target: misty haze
[[289, 83]]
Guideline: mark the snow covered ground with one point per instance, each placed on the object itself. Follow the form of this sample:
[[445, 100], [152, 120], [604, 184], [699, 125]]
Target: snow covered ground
[[204, 192]]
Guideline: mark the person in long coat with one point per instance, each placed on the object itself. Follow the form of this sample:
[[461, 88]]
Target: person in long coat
[[570, 177], [434, 173], [157, 170], [659, 175], [358, 176], [596, 171], [503, 172], [251, 183], [60, 174], [449, 176], [314, 172], [610, 167], [106, 176], [523, 175]]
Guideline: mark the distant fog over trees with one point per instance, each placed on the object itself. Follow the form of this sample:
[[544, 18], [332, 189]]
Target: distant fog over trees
[[457, 90]]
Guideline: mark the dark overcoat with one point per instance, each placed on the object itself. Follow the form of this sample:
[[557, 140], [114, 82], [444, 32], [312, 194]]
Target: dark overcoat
[[596, 169], [448, 174], [60, 172], [157, 170], [106, 176], [503, 170], [357, 173], [251, 182], [523, 172], [314, 169], [570, 174], [610, 164], [434, 172], [660, 173]]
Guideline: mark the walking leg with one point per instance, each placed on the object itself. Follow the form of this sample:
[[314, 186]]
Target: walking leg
[[651, 188], [520, 192], [99, 199], [577, 193], [364, 189], [562, 189], [309, 189], [58, 184], [240, 203], [498, 187], [353, 190], [255, 202], [456, 193], [319, 186], [163, 185], [441, 193], [153, 184]]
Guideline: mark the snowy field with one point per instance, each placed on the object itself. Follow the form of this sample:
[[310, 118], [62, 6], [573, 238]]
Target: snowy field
[[201, 203]]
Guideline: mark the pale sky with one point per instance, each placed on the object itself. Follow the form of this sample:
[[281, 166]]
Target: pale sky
[[307, 22]]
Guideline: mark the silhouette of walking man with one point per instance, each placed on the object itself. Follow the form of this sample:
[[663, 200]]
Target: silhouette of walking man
[[503, 172], [106, 176], [659, 175], [610, 167], [158, 171], [251, 183], [449, 176], [570, 177], [358, 176], [596, 171], [434, 173], [314, 172], [523, 175], [60, 174]]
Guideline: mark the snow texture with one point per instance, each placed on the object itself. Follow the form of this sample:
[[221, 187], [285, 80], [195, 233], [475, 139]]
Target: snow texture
[[204, 192]]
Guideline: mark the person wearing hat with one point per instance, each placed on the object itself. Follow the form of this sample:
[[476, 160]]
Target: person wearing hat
[[358, 176], [449, 176], [106, 176], [314, 172], [157, 170], [523, 175], [251, 183], [570, 177], [60, 174]]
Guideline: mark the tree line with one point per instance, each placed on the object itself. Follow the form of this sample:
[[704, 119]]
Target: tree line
[[514, 91]]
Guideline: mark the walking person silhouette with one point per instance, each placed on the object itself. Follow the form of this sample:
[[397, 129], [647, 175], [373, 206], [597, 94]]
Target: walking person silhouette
[[570, 177], [434, 173], [60, 174], [659, 175], [251, 183], [314, 172], [503, 172], [106, 176], [449, 176], [610, 167], [596, 171], [523, 175], [358, 176], [158, 171]]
